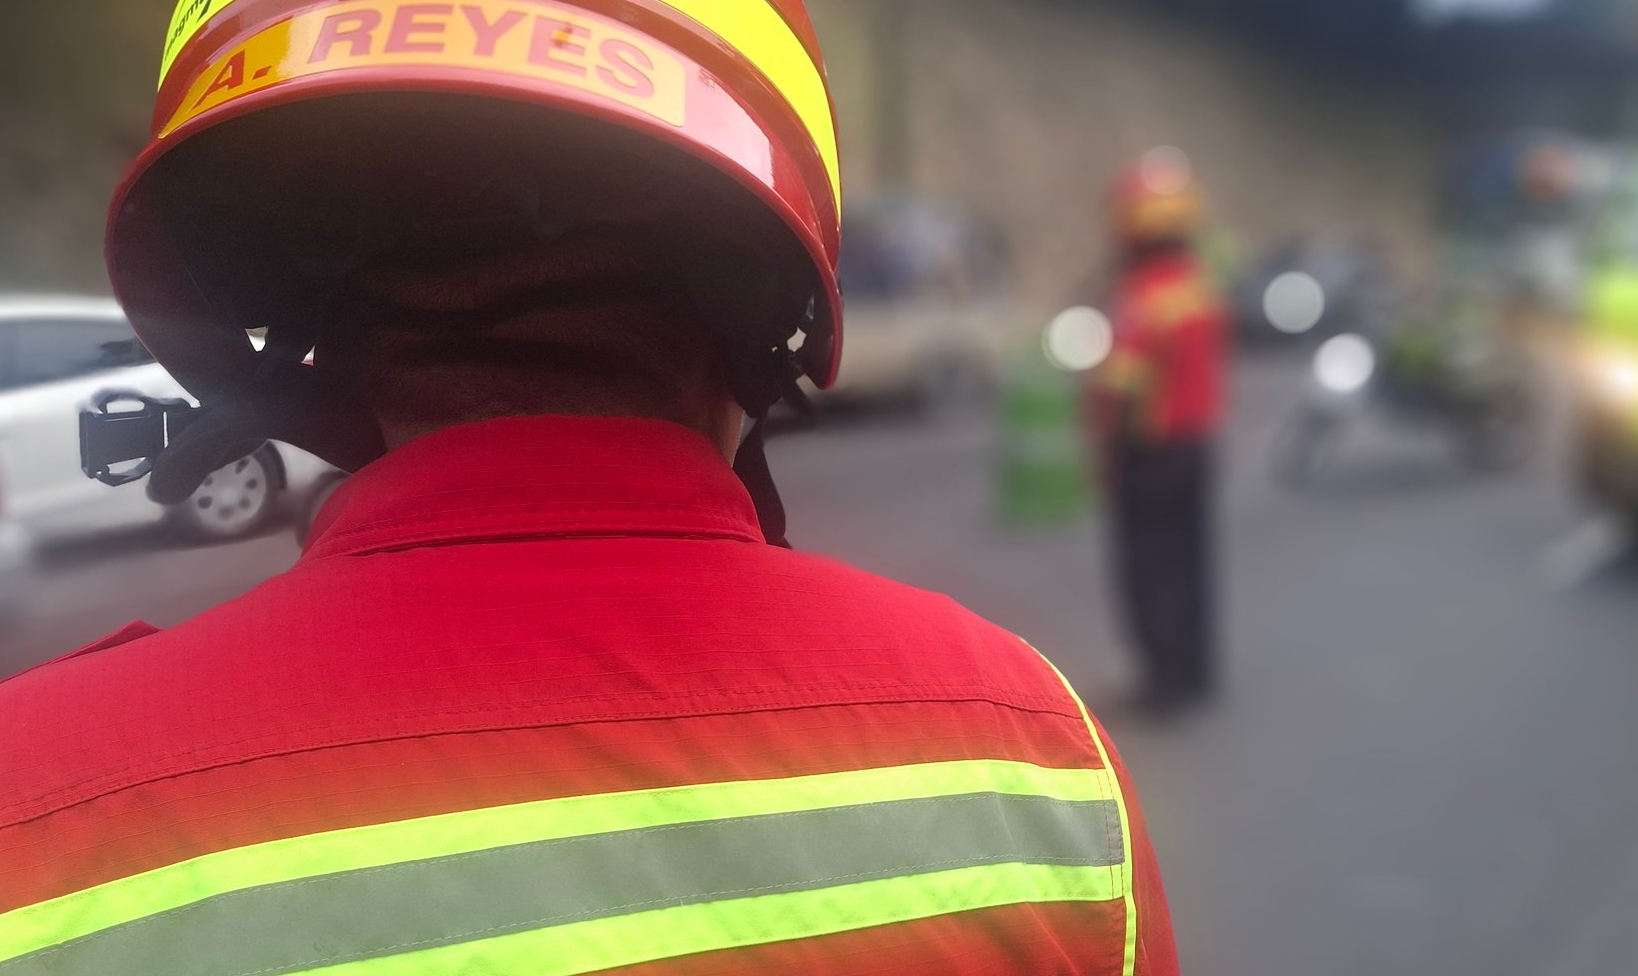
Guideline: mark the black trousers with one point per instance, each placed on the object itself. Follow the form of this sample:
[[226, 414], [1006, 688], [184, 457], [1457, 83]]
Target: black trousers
[[1162, 502]]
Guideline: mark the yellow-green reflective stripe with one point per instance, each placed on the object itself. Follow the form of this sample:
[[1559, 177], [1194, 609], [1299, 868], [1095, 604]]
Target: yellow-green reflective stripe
[[1112, 784], [669, 933], [73, 916], [385, 911]]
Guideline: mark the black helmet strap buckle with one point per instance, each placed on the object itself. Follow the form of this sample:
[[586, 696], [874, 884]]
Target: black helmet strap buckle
[[174, 443], [179, 445], [110, 437]]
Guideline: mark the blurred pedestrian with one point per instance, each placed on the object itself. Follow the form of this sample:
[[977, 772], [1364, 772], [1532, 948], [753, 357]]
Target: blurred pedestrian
[[1158, 409], [546, 692]]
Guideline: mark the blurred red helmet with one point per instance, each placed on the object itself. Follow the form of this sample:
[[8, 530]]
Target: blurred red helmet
[[1549, 172], [1157, 199]]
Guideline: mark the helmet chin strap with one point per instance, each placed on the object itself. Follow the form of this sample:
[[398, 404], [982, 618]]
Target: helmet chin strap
[[751, 464], [281, 399], [761, 380]]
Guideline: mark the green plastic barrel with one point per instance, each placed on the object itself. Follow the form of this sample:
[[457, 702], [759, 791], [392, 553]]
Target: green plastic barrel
[[1042, 477]]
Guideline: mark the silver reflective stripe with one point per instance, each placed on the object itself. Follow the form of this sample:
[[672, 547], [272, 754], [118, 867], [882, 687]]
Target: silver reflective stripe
[[368, 914]]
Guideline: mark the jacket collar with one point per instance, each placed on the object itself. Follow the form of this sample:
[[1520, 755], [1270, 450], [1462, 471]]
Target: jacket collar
[[535, 478]]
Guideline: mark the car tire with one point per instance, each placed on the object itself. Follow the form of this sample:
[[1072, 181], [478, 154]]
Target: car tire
[[236, 500]]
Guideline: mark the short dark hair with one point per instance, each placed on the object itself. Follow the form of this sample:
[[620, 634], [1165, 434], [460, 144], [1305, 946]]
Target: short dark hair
[[596, 323]]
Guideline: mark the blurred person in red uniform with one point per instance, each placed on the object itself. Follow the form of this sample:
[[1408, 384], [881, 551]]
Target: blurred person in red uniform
[[1159, 407], [546, 693]]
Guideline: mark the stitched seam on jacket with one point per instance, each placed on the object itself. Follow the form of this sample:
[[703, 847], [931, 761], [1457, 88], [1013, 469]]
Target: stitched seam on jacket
[[431, 539], [717, 520], [112, 785]]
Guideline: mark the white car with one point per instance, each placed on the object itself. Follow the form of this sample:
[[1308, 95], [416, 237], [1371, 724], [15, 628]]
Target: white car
[[928, 309], [56, 355]]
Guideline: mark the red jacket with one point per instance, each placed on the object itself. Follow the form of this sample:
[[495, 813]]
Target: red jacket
[[1169, 363], [539, 699]]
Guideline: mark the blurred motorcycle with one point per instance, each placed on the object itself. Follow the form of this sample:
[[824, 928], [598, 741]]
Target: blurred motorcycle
[[1478, 398]]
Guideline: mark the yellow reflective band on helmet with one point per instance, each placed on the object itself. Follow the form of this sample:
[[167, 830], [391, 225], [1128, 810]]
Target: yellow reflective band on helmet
[[757, 31], [190, 16], [171, 890], [1112, 784], [559, 45], [753, 28]]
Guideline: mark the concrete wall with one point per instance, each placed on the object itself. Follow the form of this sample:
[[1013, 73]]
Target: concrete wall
[[1019, 109], [1024, 110], [76, 86]]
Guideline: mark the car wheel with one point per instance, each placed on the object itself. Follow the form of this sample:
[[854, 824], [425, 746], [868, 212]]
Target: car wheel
[[235, 501]]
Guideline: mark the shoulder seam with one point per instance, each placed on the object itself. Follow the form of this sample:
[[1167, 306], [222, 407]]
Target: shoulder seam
[[58, 800]]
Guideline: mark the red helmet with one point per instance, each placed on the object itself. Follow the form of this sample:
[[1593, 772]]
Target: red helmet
[[723, 104], [1158, 199], [1549, 172]]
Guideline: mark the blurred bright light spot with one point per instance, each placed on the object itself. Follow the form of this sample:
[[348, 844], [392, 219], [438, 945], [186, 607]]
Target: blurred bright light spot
[[1619, 378], [1079, 339], [1294, 302], [1166, 170], [1345, 363]]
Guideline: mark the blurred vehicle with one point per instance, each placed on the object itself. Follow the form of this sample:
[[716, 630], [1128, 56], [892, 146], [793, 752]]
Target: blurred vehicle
[[1519, 207], [56, 355], [1320, 285], [1607, 395], [1475, 393], [927, 315]]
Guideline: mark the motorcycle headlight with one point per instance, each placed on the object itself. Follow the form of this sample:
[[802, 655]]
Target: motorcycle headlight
[[1345, 363]]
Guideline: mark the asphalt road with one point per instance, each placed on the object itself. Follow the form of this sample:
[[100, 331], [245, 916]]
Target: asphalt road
[[1424, 762]]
